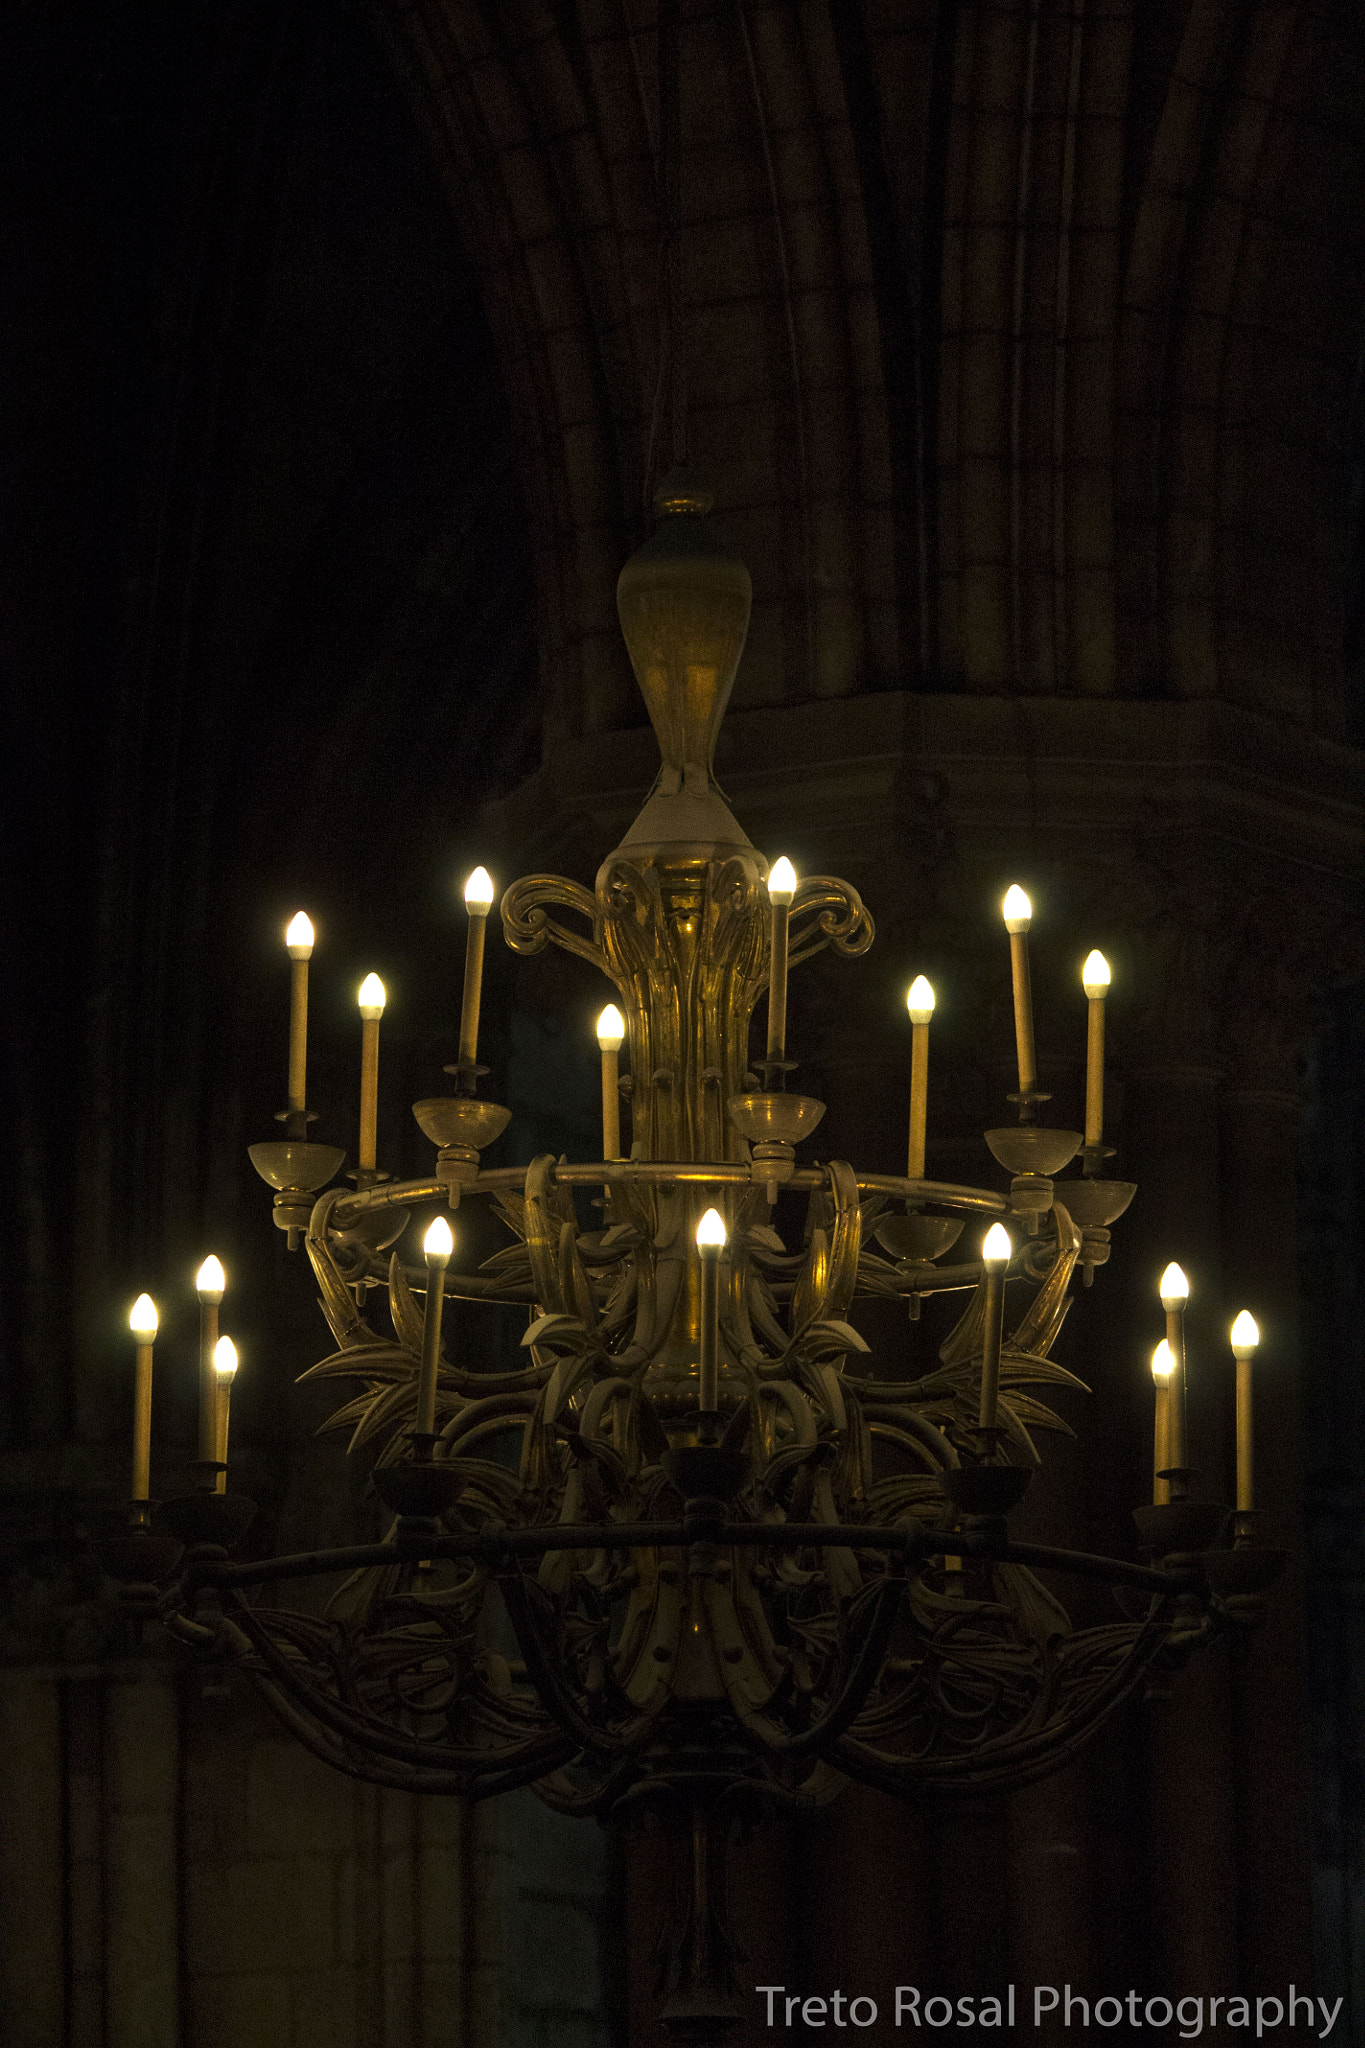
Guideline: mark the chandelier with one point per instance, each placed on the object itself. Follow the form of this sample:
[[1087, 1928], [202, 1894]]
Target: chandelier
[[734, 1562]]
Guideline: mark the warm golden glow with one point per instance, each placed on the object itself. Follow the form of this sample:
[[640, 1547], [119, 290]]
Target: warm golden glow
[[781, 880], [371, 998], [1175, 1288], [210, 1281], [225, 1358], [920, 1001], [142, 1319], [1245, 1335], [299, 936], [996, 1246], [611, 1029], [478, 893], [1016, 909], [1163, 1362], [711, 1231], [1095, 975], [438, 1242]]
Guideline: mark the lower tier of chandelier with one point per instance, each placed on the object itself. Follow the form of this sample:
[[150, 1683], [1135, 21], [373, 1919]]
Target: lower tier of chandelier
[[821, 1588]]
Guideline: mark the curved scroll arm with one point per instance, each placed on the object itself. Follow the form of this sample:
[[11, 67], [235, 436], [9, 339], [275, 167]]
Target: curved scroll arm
[[1012, 1761], [528, 927], [858, 1680], [828, 912], [352, 1725], [348, 1743]]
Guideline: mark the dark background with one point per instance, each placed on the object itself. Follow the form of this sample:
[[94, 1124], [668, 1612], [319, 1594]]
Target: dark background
[[270, 614]]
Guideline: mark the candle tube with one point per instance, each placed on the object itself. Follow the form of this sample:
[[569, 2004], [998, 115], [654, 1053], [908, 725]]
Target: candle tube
[[1095, 982], [781, 890], [371, 1001], [142, 1321], [1018, 914], [611, 1030], [299, 941], [224, 1371], [995, 1256], [920, 1003], [210, 1284], [437, 1246], [1175, 1290], [1162, 1366], [1244, 1337], [478, 900], [710, 1244]]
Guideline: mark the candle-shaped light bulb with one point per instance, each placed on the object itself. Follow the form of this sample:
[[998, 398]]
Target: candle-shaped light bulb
[[1095, 982], [478, 901], [781, 890], [1244, 1337], [439, 1241], [995, 1256], [478, 892], [711, 1231], [920, 1000], [1016, 910], [437, 1246], [611, 1031], [920, 1003], [142, 1321], [1175, 1292], [710, 1244], [1018, 915], [371, 1000], [224, 1371], [1163, 1365], [298, 939], [210, 1282], [781, 881], [996, 1246]]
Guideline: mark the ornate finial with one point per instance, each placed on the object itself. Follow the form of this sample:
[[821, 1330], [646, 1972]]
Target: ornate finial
[[683, 600]]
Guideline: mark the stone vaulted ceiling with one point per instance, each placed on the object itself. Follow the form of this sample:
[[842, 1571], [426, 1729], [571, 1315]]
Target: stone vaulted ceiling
[[1020, 342]]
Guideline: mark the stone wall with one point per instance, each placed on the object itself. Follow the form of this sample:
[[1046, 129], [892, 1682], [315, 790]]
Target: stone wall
[[176, 1873]]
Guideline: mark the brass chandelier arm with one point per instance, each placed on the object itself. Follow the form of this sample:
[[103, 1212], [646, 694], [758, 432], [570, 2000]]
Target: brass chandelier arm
[[494, 1546], [344, 1206]]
